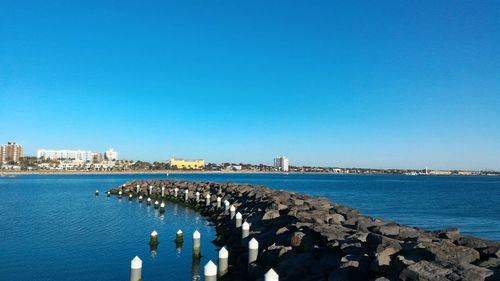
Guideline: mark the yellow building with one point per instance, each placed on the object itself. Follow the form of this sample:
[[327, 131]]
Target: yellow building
[[187, 164]]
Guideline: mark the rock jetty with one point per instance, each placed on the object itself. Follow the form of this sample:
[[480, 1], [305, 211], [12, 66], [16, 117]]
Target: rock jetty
[[309, 238]]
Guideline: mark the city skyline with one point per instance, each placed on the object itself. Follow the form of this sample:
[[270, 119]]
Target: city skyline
[[392, 85]]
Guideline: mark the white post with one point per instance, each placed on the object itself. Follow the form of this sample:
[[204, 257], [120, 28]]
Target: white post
[[223, 261], [136, 269], [271, 275], [197, 196], [140, 198], [218, 202], [176, 190], [154, 238], [108, 193], [97, 192], [210, 271], [186, 195], [207, 200], [253, 250], [130, 197], [157, 204], [226, 207], [162, 207], [138, 189], [232, 211], [239, 218], [148, 201], [196, 244], [162, 191], [245, 230], [179, 236], [120, 194]]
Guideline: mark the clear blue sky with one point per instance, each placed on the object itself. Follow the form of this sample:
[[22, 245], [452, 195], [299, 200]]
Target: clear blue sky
[[377, 84]]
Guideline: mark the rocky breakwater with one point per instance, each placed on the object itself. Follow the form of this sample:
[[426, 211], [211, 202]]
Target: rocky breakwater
[[308, 238]]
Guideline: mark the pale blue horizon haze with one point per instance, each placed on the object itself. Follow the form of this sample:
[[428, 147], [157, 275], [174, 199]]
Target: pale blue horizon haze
[[378, 84]]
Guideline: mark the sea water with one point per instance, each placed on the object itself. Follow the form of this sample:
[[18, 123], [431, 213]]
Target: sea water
[[53, 227]]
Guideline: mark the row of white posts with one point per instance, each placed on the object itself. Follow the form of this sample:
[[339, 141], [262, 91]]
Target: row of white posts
[[210, 270]]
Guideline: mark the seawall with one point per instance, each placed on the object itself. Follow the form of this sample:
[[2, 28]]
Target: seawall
[[309, 238]]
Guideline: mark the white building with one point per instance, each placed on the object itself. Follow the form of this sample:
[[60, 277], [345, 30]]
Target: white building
[[281, 163], [66, 154], [111, 155]]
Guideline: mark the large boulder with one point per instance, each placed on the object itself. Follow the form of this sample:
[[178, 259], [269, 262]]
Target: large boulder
[[425, 271], [445, 251]]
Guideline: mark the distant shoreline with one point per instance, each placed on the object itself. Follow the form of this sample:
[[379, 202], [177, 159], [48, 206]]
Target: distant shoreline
[[173, 172], [151, 172]]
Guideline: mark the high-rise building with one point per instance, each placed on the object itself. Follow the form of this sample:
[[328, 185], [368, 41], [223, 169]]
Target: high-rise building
[[111, 155], [281, 163], [11, 152]]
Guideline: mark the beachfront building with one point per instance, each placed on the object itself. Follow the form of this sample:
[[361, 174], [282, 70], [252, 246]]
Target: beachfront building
[[111, 155], [187, 164], [81, 155], [11, 152], [281, 163]]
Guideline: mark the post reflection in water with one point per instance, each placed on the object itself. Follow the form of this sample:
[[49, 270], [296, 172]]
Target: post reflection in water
[[196, 268], [178, 247], [154, 250]]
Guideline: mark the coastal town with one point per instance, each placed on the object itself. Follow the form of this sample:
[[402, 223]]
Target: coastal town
[[14, 160]]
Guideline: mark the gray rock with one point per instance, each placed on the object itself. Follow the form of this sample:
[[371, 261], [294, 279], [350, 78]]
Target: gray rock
[[271, 214], [383, 245], [448, 233], [335, 219], [425, 271], [490, 263], [445, 251], [471, 272], [386, 230]]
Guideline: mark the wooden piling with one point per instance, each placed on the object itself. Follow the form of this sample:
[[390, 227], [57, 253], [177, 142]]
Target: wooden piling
[[238, 219], [136, 269], [153, 241], [245, 230], [196, 244], [232, 211], [253, 250], [271, 275], [179, 236], [210, 271], [223, 261], [207, 200]]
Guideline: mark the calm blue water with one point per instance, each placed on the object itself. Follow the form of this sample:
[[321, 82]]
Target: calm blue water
[[54, 228]]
